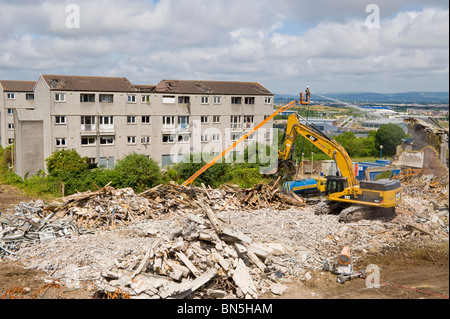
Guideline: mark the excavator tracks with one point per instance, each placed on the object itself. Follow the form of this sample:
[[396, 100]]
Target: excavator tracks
[[356, 213]]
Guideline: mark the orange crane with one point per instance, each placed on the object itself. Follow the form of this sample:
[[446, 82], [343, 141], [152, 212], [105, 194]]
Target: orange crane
[[302, 101]]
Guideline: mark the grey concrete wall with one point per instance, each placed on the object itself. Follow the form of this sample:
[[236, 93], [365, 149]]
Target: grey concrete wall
[[29, 157]]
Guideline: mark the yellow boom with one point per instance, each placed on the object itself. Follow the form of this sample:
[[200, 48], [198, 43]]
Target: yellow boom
[[218, 157]]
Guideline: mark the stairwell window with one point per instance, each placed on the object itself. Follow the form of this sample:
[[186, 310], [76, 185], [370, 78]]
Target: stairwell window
[[205, 100], [145, 140], [145, 119], [60, 119], [10, 96], [131, 139], [59, 97], [131, 119], [131, 98], [60, 142], [145, 99]]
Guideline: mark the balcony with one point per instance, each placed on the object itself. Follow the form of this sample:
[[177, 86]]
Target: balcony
[[88, 129]]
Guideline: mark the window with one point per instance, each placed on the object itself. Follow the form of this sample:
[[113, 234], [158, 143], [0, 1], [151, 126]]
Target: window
[[184, 138], [216, 119], [145, 99], [106, 140], [205, 99], [249, 100], [60, 97], [235, 136], [183, 99], [10, 126], [29, 96], [169, 99], [168, 138], [248, 121], [236, 100], [87, 98], [235, 121], [131, 98], [106, 98], [88, 141], [145, 140], [88, 124], [10, 111], [168, 120], [145, 119], [204, 119], [204, 138], [106, 120], [131, 119], [183, 122], [267, 100], [11, 96], [106, 162], [216, 100], [60, 119], [131, 139], [60, 142], [216, 137], [87, 120]]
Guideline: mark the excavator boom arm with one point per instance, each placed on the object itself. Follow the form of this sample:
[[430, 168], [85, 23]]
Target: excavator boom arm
[[326, 144]]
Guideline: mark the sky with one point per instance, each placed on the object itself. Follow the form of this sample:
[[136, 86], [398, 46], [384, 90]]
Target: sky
[[383, 46]]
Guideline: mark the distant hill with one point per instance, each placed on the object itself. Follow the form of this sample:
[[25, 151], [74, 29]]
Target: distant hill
[[364, 97]]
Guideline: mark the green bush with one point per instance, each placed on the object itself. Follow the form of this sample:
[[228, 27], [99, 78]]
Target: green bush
[[138, 172], [66, 162], [214, 176]]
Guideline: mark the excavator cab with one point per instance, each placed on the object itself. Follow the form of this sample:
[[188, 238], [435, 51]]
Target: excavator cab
[[335, 184]]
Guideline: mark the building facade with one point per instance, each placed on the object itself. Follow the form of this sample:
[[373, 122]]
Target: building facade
[[14, 95], [106, 118]]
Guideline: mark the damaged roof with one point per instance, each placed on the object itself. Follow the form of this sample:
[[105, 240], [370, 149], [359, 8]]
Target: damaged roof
[[89, 83], [211, 87], [17, 86]]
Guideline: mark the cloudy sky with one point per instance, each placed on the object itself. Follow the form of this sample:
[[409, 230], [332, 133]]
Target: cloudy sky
[[332, 46]]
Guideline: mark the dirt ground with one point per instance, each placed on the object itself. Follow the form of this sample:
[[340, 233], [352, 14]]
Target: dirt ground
[[405, 273]]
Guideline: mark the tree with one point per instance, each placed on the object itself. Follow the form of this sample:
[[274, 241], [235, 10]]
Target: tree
[[66, 162], [390, 136], [138, 172], [214, 176]]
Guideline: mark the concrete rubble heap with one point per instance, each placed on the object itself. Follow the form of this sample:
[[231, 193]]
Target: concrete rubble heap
[[176, 242], [201, 250]]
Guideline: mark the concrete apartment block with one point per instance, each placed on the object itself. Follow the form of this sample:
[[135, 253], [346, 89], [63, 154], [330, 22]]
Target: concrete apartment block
[[14, 95], [106, 118]]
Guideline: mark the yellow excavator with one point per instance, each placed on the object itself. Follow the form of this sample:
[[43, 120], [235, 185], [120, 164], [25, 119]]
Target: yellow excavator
[[353, 201]]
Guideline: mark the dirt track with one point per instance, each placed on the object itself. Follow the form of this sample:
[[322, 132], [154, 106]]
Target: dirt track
[[406, 273]]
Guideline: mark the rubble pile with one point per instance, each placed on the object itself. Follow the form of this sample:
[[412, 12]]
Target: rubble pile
[[176, 242], [167, 258]]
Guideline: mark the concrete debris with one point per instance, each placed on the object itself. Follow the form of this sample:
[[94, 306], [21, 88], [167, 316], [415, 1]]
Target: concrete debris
[[174, 242]]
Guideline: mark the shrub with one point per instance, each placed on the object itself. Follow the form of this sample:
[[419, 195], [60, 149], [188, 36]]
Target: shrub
[[138, 172]]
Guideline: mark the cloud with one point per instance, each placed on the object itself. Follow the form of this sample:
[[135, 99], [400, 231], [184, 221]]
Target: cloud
[[282, 44]]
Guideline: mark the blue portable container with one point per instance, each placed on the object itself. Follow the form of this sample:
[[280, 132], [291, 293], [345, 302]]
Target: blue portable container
[[301, 186]]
